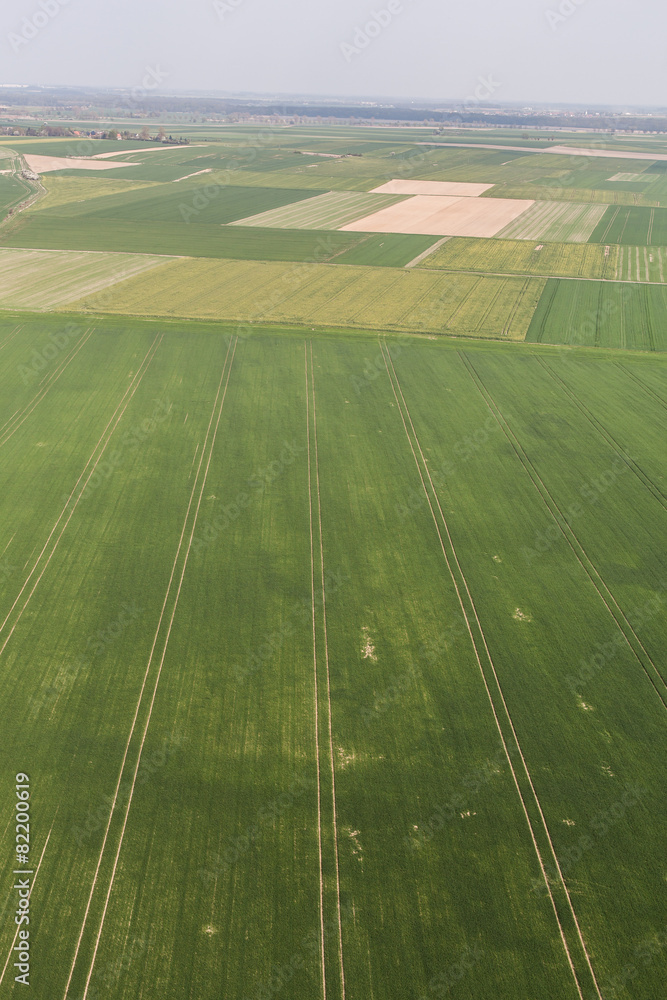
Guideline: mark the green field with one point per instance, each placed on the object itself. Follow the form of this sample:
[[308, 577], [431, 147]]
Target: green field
[[240, 242], [575, 260], [633, 227], [301, 652], [555, 222], [601, 314], [383, 298]]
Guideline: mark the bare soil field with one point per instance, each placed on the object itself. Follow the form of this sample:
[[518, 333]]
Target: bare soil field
[[457, 189], [45, 164], [432, 215]]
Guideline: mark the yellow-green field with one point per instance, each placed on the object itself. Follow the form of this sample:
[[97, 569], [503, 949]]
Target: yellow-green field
[[320, 294], [46, 279]]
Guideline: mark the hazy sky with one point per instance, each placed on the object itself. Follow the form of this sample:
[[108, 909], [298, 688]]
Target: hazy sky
[[576, 51]]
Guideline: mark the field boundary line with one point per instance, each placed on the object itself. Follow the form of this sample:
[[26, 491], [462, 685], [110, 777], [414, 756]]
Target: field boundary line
[[427, 253], [559, 518], [124, 403], [317, 725], [386, 354], [226, 368], [21, 416], [326, 660], [39, 865], [609, 438]]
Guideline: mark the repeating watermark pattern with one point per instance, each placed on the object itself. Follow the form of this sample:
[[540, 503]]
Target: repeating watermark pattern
[[246, 154], [266, 816], [96, 646], [306, 956], [257, 485], [365, 34], [58, 342], [562, 13], [299, 614], [98, 815], [130, 442], [225, 7], [443, 984], [431, 652], [592, 491], [606, 652], [643, 956], [32, 26], [485, 88], [107, 976], [598, 828], [460, 803]]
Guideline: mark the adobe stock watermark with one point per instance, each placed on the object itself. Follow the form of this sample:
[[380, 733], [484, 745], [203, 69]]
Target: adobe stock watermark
[[225, 7], [33, 25], [366, 33], [562, 13], [40, 359]]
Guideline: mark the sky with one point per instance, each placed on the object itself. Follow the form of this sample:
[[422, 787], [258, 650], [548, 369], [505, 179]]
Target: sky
[[598, 52]]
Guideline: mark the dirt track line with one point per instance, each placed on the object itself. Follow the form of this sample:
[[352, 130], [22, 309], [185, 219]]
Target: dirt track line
[[317, 724], [647, 389], [586, 563], [39, 865], [488, 691], [11, 336], [637, 471], [22, 415], [326, 659], [124, 403], [228, 369]]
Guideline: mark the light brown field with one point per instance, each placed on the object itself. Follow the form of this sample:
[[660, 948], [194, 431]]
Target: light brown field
[[44, 164], [610, 153], [432, 215], [456, 189]]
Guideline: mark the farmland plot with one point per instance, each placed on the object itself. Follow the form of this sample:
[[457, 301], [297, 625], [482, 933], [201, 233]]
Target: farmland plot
[[326, 211], [366, 756], [586, 260], [358, 297], [555, 222], [39, 279]]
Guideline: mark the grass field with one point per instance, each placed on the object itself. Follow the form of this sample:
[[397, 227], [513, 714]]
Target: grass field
[[576, 260], [241, 242], [326, 211], [381, 748], [632, 226], [555, 223], [601, 314], [37, 279], [318, 294]]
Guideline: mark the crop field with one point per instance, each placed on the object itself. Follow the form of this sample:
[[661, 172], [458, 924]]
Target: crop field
[[632, 226], [179, 239], [576, 260], [248, 292], [555, 222], [187, 203], [38, 279], [601, 314], [641, 263], [326, 211], [386, 250], [301, 651]]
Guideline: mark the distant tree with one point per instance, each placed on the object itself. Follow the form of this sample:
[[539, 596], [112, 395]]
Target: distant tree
[[162, 135], [145, 132], [112, 134]]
